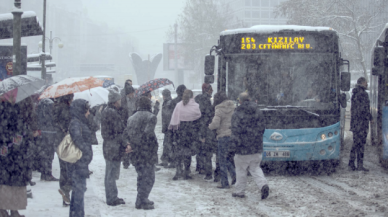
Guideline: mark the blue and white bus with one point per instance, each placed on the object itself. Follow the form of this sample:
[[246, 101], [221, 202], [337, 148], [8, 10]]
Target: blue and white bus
[[379, 96], [293, 73]]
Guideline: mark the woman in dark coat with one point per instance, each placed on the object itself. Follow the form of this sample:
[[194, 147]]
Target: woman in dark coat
[[46, 145], [185, 125], [79, 171], [17, 132], [62, 120]]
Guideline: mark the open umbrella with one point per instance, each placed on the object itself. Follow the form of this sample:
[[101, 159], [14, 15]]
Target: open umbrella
[[71, 85], [95, 96], [19, 87], [153, 85]]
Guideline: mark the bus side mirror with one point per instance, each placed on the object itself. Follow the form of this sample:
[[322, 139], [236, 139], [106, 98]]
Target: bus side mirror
[[345, 81], [209, 64], [378, 61], [342, 100]]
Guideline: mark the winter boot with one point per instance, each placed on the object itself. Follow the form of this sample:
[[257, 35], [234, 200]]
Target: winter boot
[[178, 173], [48, 178], [186, 174], [147, 201], [264, 192], [3, 213], [233, 180], [117, 202], [208, 177], [144, 204], [65, 197]]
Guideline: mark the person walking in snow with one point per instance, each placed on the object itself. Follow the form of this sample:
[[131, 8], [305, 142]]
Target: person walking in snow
[[185, 126], [81, 136], [222, 122], [112, 129], [248, 126], [140, 133], [167, 110], [62, 120], [46, 144], [359, 124]]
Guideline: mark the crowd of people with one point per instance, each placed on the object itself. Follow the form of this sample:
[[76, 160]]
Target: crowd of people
[[32, 131]]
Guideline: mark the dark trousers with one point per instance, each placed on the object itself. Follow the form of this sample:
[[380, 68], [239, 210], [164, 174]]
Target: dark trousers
[[359, 140], [225, 164], [204, 161], [112, 173], [167, 156], [126, 160], [77, 196], [183, 164], [65, 182], [145, 181]]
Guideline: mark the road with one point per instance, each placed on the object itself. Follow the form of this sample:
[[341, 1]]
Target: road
[[342, 193]]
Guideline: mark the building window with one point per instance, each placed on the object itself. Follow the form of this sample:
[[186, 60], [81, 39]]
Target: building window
[[274, 3], [256, 3], [247, 14], [265, 14], [264, 3], [255, 14], [247, 2]]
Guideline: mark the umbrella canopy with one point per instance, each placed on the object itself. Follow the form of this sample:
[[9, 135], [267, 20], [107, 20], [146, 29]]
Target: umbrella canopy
[[95, 96], [19, 87], [153, 85], [71, 85]]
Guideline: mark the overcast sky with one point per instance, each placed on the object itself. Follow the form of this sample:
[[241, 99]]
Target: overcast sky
[[136, 16]]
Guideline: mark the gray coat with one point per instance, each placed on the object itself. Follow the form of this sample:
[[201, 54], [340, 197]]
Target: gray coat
[[140, 133]]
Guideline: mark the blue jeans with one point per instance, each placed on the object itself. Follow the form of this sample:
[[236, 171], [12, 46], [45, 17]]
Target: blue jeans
[[112, 173], [77, 196], [225, 165]]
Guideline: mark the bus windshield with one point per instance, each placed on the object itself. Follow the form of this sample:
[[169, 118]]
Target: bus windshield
[[284, 79]]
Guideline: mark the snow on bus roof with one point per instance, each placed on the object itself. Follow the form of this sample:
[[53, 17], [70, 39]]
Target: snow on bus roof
[[381, 37], [274, 28]]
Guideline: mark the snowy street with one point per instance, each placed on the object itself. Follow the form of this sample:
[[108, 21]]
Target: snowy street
[[343, 193]]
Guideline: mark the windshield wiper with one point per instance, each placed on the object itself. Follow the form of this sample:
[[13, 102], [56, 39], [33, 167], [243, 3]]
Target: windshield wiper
[[298, 107]]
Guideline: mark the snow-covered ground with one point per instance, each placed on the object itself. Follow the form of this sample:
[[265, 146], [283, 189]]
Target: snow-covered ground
[[343, 193]]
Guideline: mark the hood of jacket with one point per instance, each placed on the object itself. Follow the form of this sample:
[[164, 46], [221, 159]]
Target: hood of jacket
[[78, 109], [226, 107]]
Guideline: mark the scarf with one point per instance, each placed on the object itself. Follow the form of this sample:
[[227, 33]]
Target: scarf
[[189, 112]]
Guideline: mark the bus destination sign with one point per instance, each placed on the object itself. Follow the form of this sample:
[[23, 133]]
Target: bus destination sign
[[276, 43]]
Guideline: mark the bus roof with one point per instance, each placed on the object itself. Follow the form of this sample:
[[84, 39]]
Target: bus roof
[[381, 37], [274, 28]]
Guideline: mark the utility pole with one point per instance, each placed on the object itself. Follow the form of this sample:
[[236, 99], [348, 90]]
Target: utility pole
[[17, 37], [43, 56], [176, 52]]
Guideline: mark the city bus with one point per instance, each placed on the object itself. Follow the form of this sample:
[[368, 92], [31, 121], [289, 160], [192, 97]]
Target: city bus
[[293, 74], [379, 97]]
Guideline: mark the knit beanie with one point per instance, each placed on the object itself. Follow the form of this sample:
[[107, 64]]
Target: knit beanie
[[129, 89], [180, 89], [113, 96]]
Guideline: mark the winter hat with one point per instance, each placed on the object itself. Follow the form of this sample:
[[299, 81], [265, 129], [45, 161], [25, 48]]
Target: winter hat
[[113, 96], [166, 93], [129, 89], [180, 89]]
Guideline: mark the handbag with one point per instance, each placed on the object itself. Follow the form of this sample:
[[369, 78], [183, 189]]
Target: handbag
[[67, 151]]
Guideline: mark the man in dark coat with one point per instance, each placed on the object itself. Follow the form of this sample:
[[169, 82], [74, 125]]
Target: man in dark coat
[[112, 129], [46, 144], [140, 133], [248, 126], [167, 110], [62, 120], [207, 137], [359, 123]]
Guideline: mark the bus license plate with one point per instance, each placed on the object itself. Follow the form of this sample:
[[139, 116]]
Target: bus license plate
[[276, 154]]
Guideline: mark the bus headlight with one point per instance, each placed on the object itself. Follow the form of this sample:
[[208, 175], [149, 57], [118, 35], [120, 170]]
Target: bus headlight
[[330, 134], [323, 136], [330, 148]]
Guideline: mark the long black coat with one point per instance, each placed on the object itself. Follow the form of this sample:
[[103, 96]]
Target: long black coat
[[15, 156], [207, 114], [140, 132], [360, 112], [46, 142], [62, 120], [186, 139], [112, 129], [248, 126], [81, 136], [167, 111]]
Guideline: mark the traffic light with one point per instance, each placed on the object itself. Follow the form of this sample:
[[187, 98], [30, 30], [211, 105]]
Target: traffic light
[[379, 59], [18, 3], [209, 69]]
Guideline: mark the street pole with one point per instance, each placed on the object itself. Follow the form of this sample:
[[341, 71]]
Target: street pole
[[176, 52], [17, 38], [43, 75]]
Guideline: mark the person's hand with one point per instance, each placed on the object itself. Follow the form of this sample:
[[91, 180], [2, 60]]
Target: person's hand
[[128, 149], [36, 133], [202, 140]]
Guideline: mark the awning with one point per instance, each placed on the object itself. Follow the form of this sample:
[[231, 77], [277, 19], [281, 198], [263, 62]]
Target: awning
[[30, 25]]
